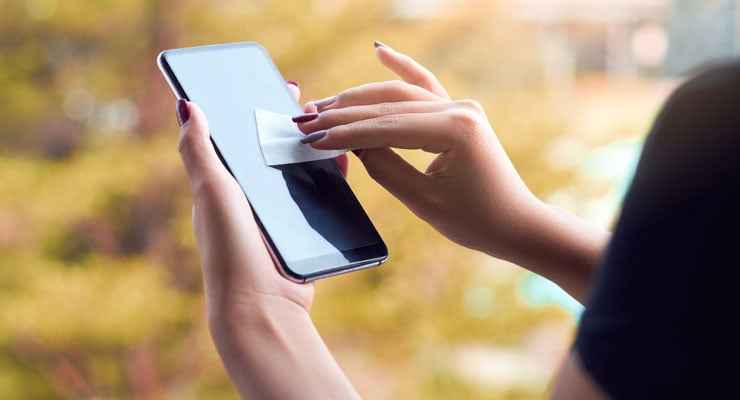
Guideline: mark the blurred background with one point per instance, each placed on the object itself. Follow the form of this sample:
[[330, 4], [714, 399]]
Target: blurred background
[[100, 286]]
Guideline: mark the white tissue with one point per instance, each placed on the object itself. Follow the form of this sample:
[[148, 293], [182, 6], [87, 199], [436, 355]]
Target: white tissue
[[280, 137]]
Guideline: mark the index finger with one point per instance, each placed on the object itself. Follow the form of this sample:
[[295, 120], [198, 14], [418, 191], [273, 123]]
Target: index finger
[[425, 131]]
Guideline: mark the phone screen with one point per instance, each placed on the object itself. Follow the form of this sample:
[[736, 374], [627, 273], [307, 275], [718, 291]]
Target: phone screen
[[307, 212]]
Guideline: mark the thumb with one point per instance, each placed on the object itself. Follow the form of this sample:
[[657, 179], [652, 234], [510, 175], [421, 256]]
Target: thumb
[[397, 176], [196, 150]]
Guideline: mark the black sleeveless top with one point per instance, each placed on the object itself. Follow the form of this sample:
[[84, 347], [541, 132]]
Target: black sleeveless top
[[662, 315]]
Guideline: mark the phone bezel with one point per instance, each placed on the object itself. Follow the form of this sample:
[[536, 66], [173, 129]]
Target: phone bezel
[[285, 270]]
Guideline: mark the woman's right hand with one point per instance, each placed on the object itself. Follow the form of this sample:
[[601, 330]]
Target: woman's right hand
[[470, 192]]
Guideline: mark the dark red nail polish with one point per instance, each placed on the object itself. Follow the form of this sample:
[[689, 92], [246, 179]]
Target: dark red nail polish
[[183, 111], [294, 83], [305, 117]]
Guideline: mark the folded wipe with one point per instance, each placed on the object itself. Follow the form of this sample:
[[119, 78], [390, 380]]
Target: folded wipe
[[279, 139]]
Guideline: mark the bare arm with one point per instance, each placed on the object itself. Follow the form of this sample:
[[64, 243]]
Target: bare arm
[[470, 192], [572, 382], [274, 351], [259, 320]]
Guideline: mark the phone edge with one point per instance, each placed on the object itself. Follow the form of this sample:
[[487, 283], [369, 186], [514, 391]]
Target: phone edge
[[291, 275]]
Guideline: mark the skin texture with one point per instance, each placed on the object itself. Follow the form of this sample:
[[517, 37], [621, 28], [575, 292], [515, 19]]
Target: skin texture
[[259, 320], [470, 192]]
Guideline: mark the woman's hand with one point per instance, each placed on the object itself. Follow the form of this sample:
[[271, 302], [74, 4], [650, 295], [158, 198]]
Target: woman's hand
[[470, 192], [237, 269], [258, 319]]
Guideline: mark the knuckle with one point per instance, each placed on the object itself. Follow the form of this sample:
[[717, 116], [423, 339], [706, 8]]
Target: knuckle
[[400, 87], [203, 186], [464, 118], [471, 105], [467, 125], [388, 122], [185, 145], [373, 166], [327, 117], [375, 172], [397, 84], [387, 108]]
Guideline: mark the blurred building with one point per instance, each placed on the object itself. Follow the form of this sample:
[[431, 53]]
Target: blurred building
[[615, 37], [630, 37], [701, 31]]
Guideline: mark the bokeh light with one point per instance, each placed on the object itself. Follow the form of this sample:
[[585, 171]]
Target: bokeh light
[[99, 277]]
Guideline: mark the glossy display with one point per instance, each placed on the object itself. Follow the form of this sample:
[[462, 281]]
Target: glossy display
[[310, 217]]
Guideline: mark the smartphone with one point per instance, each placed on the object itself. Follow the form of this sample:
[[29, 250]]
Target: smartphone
[[311, 222]]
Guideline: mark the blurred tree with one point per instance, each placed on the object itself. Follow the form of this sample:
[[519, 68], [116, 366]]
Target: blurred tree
[[99, 279]]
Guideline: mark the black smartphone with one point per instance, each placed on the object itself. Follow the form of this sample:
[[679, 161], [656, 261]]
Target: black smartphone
[[311, 221]]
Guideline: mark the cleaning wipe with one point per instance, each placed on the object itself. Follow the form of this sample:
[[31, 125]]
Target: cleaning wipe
[[280, 137]]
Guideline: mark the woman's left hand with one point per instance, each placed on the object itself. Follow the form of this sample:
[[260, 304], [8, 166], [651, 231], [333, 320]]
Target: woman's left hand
[[258, 319]]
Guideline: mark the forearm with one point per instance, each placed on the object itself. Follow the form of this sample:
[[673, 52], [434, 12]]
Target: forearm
[[561, 247], [276, 352]]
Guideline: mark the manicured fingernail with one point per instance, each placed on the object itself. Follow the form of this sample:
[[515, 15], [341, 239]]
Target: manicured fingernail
[[325, 102], [314, 137], [183, 112], [305, 117], [294, 83], [380, 44], [359, 153]]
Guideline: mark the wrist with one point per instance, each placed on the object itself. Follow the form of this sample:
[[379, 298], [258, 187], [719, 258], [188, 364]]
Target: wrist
[[235, 299], [255, 341], [575, 247], [557, 245], [268, 343], [233, 317]]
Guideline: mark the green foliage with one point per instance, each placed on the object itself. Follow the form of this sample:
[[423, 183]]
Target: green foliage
[[99, 278]]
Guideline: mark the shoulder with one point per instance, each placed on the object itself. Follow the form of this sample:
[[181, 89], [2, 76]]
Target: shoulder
[[708, 100], [671, 262], [692, 146], [715, 77]]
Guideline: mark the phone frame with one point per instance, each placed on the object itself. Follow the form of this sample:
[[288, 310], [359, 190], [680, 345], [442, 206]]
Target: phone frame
[[281, 265]]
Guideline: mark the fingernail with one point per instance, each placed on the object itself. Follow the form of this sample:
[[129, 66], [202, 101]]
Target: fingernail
[[314, 137], [380, 44], [294, 83], [325, 102], [183, 112], [359, 153], [305, 117]]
